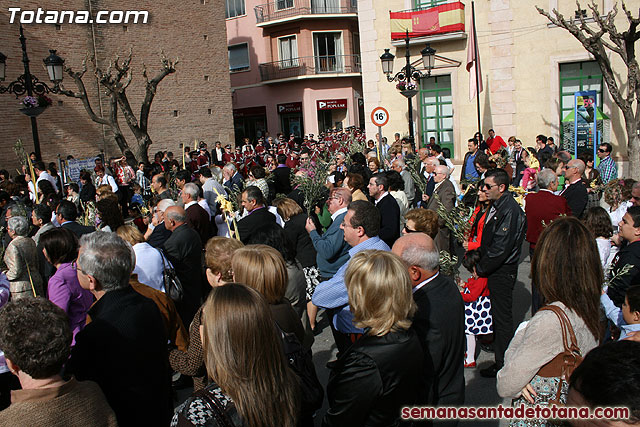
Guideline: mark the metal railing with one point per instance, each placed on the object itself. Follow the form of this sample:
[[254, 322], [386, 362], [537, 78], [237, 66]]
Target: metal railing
[[280, 9], [310, 65]]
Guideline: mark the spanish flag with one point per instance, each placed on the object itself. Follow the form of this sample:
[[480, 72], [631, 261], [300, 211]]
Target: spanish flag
[[436, 20]]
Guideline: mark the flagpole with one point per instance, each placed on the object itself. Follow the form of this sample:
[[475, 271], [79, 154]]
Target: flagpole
[[477, 65]]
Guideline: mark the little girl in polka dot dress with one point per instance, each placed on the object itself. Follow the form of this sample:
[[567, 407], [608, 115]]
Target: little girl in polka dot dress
[[477, 307]]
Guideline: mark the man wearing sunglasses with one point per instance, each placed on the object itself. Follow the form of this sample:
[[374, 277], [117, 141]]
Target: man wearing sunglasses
[[504, 231], [607, 167]]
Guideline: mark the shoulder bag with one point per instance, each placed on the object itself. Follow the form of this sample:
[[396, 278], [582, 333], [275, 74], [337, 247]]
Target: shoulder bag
[[551, 383], [172, 285]]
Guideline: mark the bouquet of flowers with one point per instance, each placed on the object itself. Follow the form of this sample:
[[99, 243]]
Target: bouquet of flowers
[[35, 101], [313, 187], [403, 85]]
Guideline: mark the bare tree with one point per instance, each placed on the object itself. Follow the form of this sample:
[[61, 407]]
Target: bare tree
[[115, 81], [622, 44]]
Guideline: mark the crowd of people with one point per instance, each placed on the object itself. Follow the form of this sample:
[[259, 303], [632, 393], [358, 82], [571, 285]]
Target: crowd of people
[[212, 271]]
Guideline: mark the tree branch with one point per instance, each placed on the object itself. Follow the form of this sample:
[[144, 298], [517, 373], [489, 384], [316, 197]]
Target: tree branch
[[168, 67]]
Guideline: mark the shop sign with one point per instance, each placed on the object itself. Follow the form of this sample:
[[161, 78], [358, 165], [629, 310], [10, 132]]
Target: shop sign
[[291, 107], [332, 104]]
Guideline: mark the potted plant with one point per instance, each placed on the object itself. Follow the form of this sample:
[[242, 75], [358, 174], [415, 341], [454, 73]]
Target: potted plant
[[33, 106], [407, 89]]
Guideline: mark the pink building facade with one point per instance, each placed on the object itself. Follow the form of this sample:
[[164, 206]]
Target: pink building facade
[[295, 66]]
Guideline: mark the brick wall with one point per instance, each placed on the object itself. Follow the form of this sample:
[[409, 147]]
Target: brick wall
[[203, 106]]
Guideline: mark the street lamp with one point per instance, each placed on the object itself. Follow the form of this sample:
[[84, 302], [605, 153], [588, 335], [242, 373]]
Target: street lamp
[[54, 66], [409, 76], [29, 84]]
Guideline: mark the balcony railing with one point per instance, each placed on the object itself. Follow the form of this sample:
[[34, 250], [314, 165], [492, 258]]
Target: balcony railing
[[310, 65], [281, 9]]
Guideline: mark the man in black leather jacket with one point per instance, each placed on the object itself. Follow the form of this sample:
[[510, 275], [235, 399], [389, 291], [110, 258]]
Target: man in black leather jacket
[[504, 231]]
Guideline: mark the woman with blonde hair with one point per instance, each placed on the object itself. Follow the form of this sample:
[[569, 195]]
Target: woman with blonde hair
[[383, 370], [567, 270], [263, 268], [252, 384], [219, 251]]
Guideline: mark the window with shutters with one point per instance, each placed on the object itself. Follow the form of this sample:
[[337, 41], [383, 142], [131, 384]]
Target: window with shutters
[[239, 57]]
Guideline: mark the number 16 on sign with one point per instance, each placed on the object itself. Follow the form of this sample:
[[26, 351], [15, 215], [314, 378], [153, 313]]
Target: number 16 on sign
[[379, 117]]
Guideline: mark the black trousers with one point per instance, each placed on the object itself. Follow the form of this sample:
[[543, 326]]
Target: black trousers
[[501, 284], [536, 297]]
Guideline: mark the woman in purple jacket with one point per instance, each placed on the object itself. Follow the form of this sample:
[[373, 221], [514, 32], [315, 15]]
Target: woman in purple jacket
[[60, 247]]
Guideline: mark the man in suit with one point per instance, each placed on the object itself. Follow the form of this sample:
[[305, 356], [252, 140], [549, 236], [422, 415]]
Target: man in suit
[[438, 322], [124, 347], [259, 215], [542, 207], [184, 250], [158, 234], [502, 236], [282, 176], [66, 215], [575, 192], [430, 164], [216, 154], [444, 193], [197, 217], [387, 206], [331, 249], [233, 181]]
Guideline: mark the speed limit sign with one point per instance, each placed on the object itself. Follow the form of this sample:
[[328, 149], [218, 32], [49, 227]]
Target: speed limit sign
[[379, 116]]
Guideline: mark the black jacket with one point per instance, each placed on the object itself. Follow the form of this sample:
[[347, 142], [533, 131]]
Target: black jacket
[[297, 234], [373, 379], [504, 231], [577, 197], [251, 223], [124, 350], [78, 229], [184, 250], [159, 235], [629, 255], [282, 180], [439, 324], [389, 219], [88, 193]]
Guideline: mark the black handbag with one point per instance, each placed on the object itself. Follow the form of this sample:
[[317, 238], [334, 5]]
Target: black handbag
[[300, 361], [172, 285]]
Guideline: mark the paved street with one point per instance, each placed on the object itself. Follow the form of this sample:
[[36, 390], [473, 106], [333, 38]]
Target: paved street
[[479, 391]]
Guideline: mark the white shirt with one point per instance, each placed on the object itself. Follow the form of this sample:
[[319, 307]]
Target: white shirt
[[45, 175], [108, 180], [338, 212], [423, 283], [149, 266], [381, 197], [191, 203]]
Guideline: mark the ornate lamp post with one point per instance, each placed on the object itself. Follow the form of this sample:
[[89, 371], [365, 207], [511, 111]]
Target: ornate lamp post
[[29, 84], [408, 77]]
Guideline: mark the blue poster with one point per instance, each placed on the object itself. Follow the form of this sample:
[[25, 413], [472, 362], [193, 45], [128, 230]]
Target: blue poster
[[585, 122]]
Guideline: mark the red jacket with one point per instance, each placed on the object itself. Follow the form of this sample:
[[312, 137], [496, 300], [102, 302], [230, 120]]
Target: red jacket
[[542, 206], [477, 288], [475, 243]]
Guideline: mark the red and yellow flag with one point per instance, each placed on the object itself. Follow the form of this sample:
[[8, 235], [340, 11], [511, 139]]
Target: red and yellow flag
[[436, 20]]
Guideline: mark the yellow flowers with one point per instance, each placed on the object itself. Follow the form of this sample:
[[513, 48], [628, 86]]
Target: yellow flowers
[[224, 203]]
